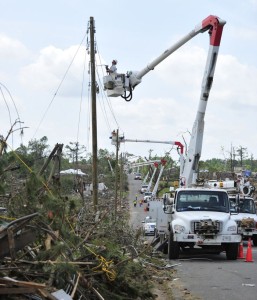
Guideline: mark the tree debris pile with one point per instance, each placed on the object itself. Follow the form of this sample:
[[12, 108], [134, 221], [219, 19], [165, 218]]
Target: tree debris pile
[[55, 244], [64, 251]]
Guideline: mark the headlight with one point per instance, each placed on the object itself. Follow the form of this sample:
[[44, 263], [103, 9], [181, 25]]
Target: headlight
[[232, 228], [179, 228]]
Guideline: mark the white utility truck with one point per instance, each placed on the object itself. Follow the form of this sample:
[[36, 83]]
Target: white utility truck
[[201, 217], [245, 217]]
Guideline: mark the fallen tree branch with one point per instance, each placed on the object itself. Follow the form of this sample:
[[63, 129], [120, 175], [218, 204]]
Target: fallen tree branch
[[36, 262], [99, 296]]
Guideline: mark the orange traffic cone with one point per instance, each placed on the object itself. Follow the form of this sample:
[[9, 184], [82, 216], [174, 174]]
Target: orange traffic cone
[[249, 256], [240, 251]]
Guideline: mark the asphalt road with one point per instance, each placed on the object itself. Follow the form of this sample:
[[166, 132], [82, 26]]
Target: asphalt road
[[207, 276], [137, 214], [214, 277]]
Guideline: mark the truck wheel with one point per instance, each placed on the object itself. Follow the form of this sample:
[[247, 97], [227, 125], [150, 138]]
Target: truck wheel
[[254, 239], [173, 248], [232, 251], [165, 249]]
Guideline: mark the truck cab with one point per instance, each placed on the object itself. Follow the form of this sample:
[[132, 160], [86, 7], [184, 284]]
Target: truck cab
[[138, 176], [201, 217], [144, 188], [245, 216], [148, 196]]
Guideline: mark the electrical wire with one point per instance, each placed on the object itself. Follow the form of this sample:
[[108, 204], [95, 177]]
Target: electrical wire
[[102, 105], [59, 86], [15, 107], [81, 96], [8, 108], [102, 89]]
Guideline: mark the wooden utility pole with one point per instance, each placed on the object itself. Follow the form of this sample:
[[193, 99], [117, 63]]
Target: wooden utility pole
[[94, 120], [116, 174], [121, 178]]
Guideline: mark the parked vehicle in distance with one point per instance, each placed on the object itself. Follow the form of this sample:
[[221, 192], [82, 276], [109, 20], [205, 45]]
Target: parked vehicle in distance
[[144, 188], [147, 196], [149, 226], [138, 176]]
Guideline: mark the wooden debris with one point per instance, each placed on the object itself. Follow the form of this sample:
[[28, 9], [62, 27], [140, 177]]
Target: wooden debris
[[11, 241], [10, 286], [49, 239], [75, 287]]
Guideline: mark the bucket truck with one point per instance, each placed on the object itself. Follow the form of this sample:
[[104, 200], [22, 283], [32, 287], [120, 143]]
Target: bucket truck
[[245, 217], [148, 194], [119, 86], [201, 216], [145, 186], [196, 216], [154, 192], [121, 139]]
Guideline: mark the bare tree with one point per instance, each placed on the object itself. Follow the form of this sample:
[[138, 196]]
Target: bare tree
[[242, 153]]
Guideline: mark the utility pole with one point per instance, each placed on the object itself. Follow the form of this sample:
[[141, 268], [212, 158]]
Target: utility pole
[[150, 152], [116, 174], [94, 121], [121, 178]]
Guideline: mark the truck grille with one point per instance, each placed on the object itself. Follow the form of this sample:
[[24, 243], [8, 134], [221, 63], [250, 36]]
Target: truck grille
[[248, 223], [206, 227]]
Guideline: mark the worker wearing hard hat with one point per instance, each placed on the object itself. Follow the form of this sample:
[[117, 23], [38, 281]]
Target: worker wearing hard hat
[[113, 68]]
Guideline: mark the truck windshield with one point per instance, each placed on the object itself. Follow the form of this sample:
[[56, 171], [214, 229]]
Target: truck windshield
[[202, 200], [148, 194], [245, 206]]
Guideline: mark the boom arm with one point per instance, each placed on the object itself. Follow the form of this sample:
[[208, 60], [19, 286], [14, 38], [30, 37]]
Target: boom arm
[[163, 162], [123, 140], [189, 173], [144, 163], [122, 83], [175, 143], [211, 23]]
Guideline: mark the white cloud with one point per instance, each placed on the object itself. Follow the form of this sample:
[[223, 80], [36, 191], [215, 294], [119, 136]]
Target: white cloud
[[164, 104], [50, 68], [235, 83], [12, 49]]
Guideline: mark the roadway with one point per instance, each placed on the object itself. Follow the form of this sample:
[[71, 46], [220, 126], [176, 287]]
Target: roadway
[[137, 214], [206, 276], [214, 277]]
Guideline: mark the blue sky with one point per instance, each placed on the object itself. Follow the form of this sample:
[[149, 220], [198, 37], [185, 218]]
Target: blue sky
[[38, 40]]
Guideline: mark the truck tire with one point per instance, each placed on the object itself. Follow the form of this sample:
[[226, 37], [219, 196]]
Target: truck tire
[[173, 248], [232, 251], [254, 238], [165, 249]]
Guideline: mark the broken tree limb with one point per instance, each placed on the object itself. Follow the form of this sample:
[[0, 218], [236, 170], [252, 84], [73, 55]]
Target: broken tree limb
[[11, 281], [75, 286], [99, 296], [36, 262]]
